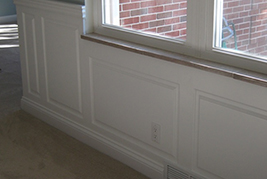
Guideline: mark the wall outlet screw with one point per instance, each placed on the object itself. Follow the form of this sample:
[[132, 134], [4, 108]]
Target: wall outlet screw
[[155, 132]]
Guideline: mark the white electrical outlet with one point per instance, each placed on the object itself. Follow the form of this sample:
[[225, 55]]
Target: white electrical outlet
[[155, 132]]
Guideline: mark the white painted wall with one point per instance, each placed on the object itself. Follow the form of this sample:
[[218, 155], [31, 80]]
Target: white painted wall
[[211, 125]]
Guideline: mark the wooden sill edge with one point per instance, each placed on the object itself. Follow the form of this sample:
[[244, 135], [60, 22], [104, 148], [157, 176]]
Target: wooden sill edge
[[235, 73]]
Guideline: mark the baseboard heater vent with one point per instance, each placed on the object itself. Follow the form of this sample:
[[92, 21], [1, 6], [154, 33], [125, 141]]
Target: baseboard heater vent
[[174, 173]]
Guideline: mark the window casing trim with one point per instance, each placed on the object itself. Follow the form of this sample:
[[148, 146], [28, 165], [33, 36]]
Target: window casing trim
[[200, 43]]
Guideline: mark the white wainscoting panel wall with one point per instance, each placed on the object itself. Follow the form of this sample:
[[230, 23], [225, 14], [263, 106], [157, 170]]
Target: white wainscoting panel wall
[[210, 126], [31, 54], [229, 138], [51, 74], [128, 102], [62, 67]]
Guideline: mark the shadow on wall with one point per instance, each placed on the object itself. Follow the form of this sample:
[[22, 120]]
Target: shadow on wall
[[7, 12]]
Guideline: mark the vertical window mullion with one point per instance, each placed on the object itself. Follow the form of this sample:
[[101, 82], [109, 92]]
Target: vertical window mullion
[[112, 12], [200, 25], [90, 16], [210, 24], [218, 16], [192, 33]]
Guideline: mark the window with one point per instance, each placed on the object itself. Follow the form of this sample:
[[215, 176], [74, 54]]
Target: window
[[166, 18], [231, 32], [244, 26]]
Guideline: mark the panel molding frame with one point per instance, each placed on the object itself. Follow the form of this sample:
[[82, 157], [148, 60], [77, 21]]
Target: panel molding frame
[[26, 55], [224, 102], [149, 79], [77, 112]]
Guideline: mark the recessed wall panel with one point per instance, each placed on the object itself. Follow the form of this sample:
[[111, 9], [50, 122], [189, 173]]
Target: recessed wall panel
[[62, 65], [128, 102], [31, 54], [230, 139]]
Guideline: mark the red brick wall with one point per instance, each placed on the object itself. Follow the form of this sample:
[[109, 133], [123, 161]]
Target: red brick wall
[[164, 17], [168, 17], [250, 19]]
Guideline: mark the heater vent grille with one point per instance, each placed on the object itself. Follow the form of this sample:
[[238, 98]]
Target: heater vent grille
[[173, 173]]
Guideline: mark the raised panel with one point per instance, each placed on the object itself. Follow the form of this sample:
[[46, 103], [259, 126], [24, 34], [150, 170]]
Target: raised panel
[[127, 102], [230, 139], [62, 65], [31, 54]]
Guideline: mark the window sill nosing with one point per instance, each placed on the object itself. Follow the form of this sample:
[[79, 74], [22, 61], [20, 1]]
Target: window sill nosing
[[233, 72]]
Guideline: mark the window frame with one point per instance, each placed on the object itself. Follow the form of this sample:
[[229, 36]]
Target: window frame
[[113, 11], [201, 36]]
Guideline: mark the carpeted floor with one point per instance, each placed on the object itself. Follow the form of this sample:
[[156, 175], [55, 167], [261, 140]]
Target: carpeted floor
[[10, 74], [31, 149]]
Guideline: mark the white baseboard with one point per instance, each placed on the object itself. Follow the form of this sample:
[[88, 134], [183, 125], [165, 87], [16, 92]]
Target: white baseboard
[[91, 138], [8, 19]]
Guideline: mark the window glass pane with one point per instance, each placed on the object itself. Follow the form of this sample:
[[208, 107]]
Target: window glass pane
[[165, 18], [244, 26]]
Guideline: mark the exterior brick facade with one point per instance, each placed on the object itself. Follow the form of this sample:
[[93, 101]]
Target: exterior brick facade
[[162, 16], [168, 18], [250, 20]]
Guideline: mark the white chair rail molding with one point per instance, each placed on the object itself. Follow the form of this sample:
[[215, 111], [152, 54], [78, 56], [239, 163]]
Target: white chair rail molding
[[166, 116]]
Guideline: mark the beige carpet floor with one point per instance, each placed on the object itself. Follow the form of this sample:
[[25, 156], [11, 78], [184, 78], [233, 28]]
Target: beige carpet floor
[[31, 149]]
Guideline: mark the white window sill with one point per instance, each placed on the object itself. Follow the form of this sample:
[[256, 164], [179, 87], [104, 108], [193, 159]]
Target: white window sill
[[235, 73]]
